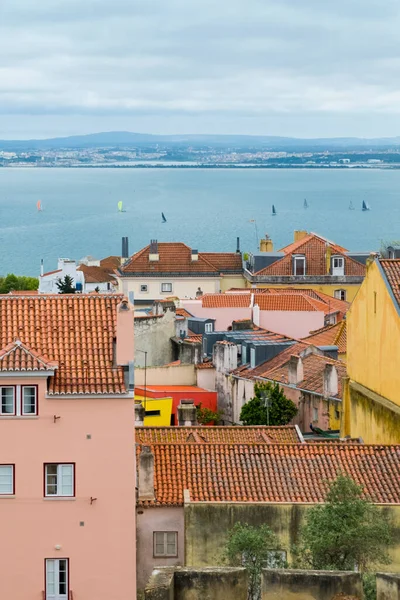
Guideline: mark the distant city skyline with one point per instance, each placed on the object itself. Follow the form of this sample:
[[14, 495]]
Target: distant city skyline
[[260, 67]]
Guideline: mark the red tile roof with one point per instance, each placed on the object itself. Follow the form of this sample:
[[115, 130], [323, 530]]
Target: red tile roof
[[275, 473], [391, 268], [111, 263], [76, 331], [97, 274], [314, 248], [205, 365], [18, 357], [182, 312], [225, 301], [176, 258], [286, 302], [218, 434], [331, 335]]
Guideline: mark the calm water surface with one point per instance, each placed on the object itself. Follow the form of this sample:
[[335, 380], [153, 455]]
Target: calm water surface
[[205, 208]]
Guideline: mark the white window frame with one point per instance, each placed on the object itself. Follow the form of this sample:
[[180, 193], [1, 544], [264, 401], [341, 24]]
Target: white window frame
[[18, 401], [166, 291], [208, 328], [61, 472], [146, 288], [339, 293], [338, 268], [297, 259], [165, 552], [8, 387], [11, 469], [52, 568]]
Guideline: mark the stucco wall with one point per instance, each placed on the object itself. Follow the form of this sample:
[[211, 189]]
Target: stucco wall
[[207, 525], [175, 375], [388, 586], [149, 520], [329, 289], [184, 287], [223, 316], [206, 378], [153, 335], [295, 324], [232, 281], [99, 538], [282, 584]]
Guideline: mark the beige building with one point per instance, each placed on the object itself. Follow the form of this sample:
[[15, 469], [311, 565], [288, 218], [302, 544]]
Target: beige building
[[168, 269]]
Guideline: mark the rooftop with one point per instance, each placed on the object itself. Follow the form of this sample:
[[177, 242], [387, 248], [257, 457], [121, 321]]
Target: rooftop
[[391, 269], [331, 335], [275, 473], [219, 434]]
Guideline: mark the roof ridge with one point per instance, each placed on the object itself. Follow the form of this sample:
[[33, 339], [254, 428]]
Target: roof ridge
[[336, 443]]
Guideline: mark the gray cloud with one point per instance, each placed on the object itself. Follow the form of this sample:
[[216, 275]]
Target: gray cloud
[[233, 66]]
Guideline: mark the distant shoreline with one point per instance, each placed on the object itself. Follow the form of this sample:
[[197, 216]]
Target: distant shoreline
[[385, 167]]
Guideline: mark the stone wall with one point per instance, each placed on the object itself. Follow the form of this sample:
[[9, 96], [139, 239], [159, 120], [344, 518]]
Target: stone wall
[[388, 586], [287, 584], [153, 335]]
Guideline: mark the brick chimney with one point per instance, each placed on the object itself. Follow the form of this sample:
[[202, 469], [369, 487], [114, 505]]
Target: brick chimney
[[331, 383], [295, 373], [125, 336], [300, 234], [153, 253], [139, 414], [146, 474], [195, 255], [187, 414]]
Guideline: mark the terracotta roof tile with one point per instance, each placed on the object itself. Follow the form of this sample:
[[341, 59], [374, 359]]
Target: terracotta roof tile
[[182, 312], [391, 268], [205, 365], [75, 331], [226, 300], [97, 274], [176, 258], [286, 302], [111, 263], [18, 357], [218, 434], [331, 335], [275, 473]]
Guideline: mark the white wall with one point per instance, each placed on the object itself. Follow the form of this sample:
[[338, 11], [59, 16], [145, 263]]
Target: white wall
[[182, 287], [206, 378]]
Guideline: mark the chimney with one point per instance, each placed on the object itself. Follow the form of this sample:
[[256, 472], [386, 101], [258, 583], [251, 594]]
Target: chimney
[[125, 249], [139, 414], [299, 234], [295, 371], [187, 414], [195, 255], [146, 474], [237, 245], [266, 245], [153, 254], [41, 268], [331, 384], [124, 335]]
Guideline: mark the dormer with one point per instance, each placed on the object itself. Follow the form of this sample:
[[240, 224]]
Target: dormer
[[299, 265]]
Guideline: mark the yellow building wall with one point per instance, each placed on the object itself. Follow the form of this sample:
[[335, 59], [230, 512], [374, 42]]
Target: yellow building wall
[[235, 281], [371, 396], [351, 290], [164, 405]]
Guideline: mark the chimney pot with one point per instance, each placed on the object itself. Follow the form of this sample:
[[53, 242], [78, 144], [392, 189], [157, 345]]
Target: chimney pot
[[331, 383], [187, 413]]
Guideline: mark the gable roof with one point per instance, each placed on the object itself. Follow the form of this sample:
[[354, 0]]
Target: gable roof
[[110, 263], [391, 270], [293, 473], [313, 247], [97, 274], [75, 331], [175, 258], [219, 434], [18, 357], [331, 335]]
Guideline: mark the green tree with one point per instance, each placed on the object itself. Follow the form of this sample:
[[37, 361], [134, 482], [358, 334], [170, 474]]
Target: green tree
[[15, 283], [347, 532], [206, 415], [280, 412], [66, 285], [253, 548]]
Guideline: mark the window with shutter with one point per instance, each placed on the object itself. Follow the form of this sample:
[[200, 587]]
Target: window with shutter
[[59, 480]]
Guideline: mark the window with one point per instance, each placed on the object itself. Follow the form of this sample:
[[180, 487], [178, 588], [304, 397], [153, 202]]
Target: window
[[57, 579], [165, 543], [337, 414], [299, 265], [18, 400], [7, 400], [166, 287], [208, 327], [59, 480], [315, 413], [143, 288], [6, 480], [152, 413], [337, 265], [340, 294]]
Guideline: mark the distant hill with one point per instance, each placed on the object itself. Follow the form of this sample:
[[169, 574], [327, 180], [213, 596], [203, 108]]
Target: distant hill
[[121, 139]]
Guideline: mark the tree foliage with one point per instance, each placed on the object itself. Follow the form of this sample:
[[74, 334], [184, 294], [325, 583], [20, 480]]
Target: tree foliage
[[66, 285], [252, 548], [281, 411], [12, 283], [206, 415], [347, 532]]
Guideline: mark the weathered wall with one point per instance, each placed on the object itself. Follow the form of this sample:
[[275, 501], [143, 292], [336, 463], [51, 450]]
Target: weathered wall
[[153, 335], [207, 525], [149, 520], [388, 586], [285, 584], [206, 378], [175, 375], [160, 585], [213, 583]]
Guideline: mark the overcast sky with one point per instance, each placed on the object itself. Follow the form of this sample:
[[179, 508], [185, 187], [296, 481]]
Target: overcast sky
[[306, 68]]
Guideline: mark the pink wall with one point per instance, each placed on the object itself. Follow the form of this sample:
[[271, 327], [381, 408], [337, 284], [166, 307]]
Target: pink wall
[[294, 324], [223, 316], [102, 552]]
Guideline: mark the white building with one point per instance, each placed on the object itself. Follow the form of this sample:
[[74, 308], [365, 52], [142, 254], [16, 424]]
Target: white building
[[89, 276]]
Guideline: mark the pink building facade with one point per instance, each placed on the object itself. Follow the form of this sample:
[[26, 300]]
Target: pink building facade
[[67, 470]]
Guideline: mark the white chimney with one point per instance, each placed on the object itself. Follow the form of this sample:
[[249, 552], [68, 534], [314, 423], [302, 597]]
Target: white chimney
[[295, 371], [195, 255], [331, 383], [41, 268]]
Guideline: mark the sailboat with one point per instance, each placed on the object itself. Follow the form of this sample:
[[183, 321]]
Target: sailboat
[[273, 211], [305, 203], [365, 206], [351, 207], [120, 206], [39, 205], [164, 220]]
